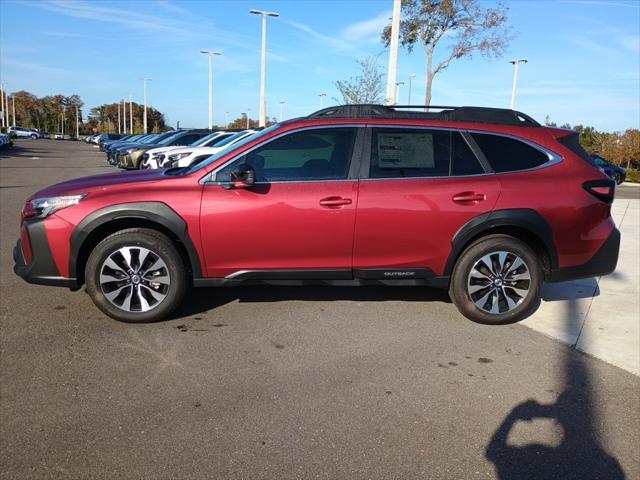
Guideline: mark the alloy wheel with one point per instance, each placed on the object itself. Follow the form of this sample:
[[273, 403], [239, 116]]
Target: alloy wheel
[[499, 282], [134, 279]]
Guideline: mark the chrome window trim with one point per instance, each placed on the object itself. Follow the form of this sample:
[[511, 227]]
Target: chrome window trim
[[554, 158], [206, 180]]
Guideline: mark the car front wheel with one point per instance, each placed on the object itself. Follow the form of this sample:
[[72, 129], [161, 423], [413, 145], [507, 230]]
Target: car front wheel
[[617, 177], [136, 275], [497, 280]]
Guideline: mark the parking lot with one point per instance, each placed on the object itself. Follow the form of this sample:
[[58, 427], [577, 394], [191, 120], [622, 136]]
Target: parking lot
[[301, 382]]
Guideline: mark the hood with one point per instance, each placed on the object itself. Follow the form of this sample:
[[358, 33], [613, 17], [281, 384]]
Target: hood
[[102, 182]]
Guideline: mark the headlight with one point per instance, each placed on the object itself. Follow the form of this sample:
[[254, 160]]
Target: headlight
[[45, 206]]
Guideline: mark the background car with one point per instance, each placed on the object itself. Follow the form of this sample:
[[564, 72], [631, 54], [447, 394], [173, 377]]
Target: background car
[[5, 140], [59, 136], [133, 157], [614, 171], [24, 132], [153, 158], [185, 158]]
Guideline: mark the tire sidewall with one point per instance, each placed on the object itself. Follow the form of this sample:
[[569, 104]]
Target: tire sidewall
[[154, 241], [459, 291]]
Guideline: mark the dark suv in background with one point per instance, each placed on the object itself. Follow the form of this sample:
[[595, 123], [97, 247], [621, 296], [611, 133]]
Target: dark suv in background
[[486, 203]]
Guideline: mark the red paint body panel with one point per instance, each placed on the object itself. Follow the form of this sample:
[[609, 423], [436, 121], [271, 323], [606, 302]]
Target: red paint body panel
[[277, 226], [410, 222]]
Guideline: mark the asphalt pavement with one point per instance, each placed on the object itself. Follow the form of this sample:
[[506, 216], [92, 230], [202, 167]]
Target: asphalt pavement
[[280, 383]]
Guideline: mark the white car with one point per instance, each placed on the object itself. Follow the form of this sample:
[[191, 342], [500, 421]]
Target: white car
[[24, 132], [153, 158], [186, 156]]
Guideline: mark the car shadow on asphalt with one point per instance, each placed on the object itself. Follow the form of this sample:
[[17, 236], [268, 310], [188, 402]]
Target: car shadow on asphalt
[[578, 455], [200, 300]]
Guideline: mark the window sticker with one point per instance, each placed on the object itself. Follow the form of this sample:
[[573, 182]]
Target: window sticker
[[405, 150]]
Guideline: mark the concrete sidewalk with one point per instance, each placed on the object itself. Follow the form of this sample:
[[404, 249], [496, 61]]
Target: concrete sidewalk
[[601, 316]]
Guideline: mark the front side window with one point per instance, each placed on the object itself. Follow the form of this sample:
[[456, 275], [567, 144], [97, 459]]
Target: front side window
[[314, 154], [406, 152], [506, 154]]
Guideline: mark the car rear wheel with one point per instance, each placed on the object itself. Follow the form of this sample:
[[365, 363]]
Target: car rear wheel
[[617, 177], [136, 275], [497, 280], [34, 137]]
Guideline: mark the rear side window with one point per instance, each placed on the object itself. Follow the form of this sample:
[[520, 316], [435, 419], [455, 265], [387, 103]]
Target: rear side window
[[405, 152], [508, 154]]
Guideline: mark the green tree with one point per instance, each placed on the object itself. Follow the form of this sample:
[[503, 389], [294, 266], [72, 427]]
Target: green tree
[[367, 87], [449, 30]]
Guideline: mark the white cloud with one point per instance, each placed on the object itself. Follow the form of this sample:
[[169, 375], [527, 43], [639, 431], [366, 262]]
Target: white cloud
[[367, 30]]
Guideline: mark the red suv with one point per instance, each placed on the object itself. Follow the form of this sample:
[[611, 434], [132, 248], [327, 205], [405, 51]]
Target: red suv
[[484, 202]]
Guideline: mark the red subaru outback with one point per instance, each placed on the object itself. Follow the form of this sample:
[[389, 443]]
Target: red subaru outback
[[484, 202]]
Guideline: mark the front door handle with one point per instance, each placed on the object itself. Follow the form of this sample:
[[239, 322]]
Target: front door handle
[[335, 202], [469, 198]]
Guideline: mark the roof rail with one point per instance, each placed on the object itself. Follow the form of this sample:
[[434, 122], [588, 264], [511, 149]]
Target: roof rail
[[500, 116]]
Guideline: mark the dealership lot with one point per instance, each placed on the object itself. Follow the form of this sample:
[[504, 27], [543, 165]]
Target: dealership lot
[[261, 382]]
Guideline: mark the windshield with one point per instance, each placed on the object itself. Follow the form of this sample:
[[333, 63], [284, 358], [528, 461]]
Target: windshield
[[197, 143], [170, 138], [230, 139], [240, 144]]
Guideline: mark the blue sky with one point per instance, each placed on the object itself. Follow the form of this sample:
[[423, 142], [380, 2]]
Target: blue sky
[[584, 56]]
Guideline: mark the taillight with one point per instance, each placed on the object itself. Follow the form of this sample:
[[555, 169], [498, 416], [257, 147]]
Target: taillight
[[601, 189]]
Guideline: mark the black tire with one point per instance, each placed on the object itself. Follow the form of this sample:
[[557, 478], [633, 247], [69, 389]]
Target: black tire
[[162, 247], [460, 281], [617, 177], [34, 137]]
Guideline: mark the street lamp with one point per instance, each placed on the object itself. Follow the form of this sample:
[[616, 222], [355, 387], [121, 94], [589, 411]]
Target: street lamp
[[281, 111], [144, 81], [398, 92], [263, 66], [322, 95], [411, 77], [516, 71], [248, 115], [210, 55], [130, 115]]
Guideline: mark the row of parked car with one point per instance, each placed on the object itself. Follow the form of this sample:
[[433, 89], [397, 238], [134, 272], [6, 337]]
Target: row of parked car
[[175, 148]]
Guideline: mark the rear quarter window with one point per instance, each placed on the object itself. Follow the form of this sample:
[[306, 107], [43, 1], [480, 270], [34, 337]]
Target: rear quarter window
[[506, 154]]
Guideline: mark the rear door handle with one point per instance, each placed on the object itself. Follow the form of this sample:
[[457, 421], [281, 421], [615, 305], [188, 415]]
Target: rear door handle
[[469, 198], [335, 202]]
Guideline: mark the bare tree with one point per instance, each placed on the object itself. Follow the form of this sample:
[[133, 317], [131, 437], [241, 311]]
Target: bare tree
[[463, 25], [367, 87]]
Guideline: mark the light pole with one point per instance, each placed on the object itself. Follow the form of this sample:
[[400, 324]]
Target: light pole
[[124, 116], [2, 107], [322, 95], [226, 119], [77, 124], [398, 92], [393, 52], [516, 71], [210, 55], [281, 111], [130, 114], [63, 112], [144, 81], [248, 113], [263, 65], [411, 77], [119, 119], [13, 97]]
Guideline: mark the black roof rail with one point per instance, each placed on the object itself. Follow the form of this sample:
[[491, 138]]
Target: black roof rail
[[500, 116]]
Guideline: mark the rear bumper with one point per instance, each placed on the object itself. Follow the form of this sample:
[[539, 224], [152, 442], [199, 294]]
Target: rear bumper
[[603, 262], [42, 269]]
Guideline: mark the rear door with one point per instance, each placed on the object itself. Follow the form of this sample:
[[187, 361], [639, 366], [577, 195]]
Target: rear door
[[420, 187]]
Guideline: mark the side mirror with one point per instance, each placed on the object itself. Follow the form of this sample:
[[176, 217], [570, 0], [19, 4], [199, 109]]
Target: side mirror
[[243, 176]]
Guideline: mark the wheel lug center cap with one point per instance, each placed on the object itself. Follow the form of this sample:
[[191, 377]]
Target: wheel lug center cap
[[135, 279], [498, 282]]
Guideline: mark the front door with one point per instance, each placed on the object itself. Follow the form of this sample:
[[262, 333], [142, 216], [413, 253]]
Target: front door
[[299, 216]]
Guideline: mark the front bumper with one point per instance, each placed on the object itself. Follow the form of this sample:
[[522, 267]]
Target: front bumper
[[602, 263], [42, 269]]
